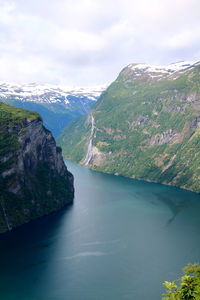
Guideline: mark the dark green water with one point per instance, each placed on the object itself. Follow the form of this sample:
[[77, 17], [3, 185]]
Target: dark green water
[[120, 240]]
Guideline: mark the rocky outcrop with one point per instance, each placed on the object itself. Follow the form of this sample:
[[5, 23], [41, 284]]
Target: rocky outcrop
[[168, 136], [140, 121], [34, 179], [97, 157], [195, 123], [174, 109]]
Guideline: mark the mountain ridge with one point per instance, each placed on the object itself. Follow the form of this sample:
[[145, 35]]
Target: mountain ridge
[[168, 69], [146, 127], [57, 105], [33, 90]]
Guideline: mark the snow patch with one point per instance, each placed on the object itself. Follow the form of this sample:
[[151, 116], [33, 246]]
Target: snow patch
[[162, 70], [48, 93]]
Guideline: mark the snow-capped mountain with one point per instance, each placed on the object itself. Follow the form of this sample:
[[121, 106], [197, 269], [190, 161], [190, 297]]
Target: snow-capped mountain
[[162, 71], [145, 126], [57, 105], [48, 93]]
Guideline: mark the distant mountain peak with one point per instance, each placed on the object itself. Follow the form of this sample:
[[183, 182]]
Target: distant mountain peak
[[57, 104], [162, 70], [48, 93]]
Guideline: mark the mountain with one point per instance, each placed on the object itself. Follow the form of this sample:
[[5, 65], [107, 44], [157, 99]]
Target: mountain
[[146, 125], [58, 105], [34, 180]]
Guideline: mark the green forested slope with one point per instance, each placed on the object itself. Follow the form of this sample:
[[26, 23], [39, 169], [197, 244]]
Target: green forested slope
[[146, 126]]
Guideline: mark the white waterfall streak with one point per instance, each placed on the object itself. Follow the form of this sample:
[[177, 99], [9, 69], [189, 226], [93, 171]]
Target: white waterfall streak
[[89, 150], [5, 216]]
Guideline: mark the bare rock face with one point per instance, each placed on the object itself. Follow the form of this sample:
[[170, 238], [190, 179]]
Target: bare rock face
[[34, 179], [195, 123], [168, 136]]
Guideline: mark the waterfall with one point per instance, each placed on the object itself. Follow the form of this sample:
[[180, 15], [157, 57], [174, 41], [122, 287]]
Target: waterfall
[[89, 150], [6, 217]]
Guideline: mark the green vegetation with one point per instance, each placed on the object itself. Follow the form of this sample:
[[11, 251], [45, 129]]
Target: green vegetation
[[27, 193], [55, 115], [12, 118], [147, 128], [185, 288], [77, 139], [15, 115]]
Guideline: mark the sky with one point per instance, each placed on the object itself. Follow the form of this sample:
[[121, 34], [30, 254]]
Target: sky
[[88, 42]]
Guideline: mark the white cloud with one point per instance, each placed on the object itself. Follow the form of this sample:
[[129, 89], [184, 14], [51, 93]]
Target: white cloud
[[7, 8], [88, 41], [182, 39]]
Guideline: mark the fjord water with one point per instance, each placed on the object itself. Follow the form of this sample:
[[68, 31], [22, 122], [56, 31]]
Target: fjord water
[[119, 240]]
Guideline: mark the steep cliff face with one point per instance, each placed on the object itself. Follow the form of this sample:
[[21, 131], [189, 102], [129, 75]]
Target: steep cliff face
[[146, 125], [34, 180]]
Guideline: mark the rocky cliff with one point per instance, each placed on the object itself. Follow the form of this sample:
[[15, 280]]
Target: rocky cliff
[[146, 125], [34, 180]]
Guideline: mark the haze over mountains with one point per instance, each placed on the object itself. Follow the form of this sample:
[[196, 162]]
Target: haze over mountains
[[57, 105], [146, 125]]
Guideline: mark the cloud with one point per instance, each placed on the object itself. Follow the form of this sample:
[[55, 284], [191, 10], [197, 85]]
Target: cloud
[[183, 39], [86, 42]]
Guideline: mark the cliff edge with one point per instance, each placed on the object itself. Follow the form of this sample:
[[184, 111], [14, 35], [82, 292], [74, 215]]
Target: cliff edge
[[34, 180]]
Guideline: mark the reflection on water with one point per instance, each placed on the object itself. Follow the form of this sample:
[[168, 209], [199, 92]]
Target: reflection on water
[[175, 205], [111, 244]]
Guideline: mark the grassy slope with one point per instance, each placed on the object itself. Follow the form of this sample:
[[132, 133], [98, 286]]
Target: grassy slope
[[9, 118], [55, 115], [120, 108]]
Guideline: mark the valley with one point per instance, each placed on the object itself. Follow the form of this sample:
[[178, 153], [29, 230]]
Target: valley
[[57, 105]]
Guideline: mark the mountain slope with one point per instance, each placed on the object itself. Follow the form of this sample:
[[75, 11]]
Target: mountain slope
[[146, 125], [34, 180], [57, 105]]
